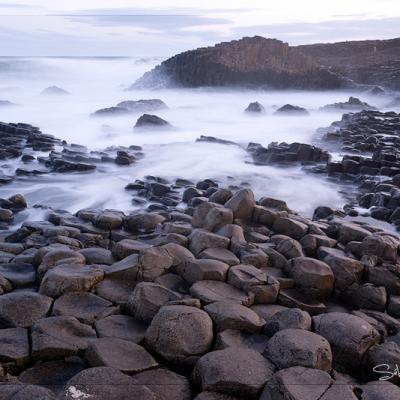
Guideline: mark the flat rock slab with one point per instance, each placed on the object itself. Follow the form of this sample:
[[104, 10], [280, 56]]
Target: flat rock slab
[[236, 372], [105, 383], [212, 291], [120, 354], [23, 309], [19, 274], [14, 346], [121, 327], [86, 307], [59, 337], [70, 278]]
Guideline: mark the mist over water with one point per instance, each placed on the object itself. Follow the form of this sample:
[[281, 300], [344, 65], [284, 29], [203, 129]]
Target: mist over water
[[96, 83]]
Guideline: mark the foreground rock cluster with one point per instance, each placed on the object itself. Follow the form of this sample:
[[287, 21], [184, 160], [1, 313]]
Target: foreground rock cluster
[[226, 298]]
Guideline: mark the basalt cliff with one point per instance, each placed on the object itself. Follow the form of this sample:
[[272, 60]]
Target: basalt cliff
[[270, 63], [252, 62]]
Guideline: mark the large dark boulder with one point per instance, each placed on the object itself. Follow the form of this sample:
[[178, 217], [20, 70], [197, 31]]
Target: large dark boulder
[[149, 121], [254, 62]]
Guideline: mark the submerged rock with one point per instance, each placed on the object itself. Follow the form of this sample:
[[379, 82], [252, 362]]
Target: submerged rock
[[149, 121], [352, 104], [55, 90], [289, 109], [256, 108]]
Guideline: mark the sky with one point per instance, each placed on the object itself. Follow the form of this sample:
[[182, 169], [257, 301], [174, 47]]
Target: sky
[[165, 27]]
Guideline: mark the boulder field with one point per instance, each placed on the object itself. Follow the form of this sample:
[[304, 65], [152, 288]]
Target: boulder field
[[223, 298]]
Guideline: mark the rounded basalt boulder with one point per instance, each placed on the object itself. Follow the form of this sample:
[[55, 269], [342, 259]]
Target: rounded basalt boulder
[[350, 337], [180, 334], [237, 372], [297, 347], [292, 318]]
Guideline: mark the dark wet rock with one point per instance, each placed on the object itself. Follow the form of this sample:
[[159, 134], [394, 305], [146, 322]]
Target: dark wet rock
[[255, 107], [23, 309], [120, 354], [180, 334], [195, 270], [18, 274], [298, 347], [287, 154], [112, 111], [238, 372], [293, 298], [151, 121], [365, 296], [18, 391], [352, 104], [289, 109]]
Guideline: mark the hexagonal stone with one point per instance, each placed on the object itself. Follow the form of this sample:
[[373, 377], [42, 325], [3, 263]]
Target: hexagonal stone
[[120, 354], [237, 372], [220, 254], [180, 333], [105, 383], [23, 308], [293, 298], [147, 298], [70, 278], [59, 337], [203, 269], [167, 385], [297, 383], [252, 280], [201, 239], [313, 277], [97, 255], [121, 327], [292, 318], [290, 227], [86, 307], [297, 347], [349, 336], [14, 346], [228, 315], [380, 390], [154, 262], [212, 291]]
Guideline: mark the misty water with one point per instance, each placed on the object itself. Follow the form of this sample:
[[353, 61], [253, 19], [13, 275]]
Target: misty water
[[96, 83]]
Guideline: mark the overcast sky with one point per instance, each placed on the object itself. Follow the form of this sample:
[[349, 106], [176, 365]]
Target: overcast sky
[[165, 27]]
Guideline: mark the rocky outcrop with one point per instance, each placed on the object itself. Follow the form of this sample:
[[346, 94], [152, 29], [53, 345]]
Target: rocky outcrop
[[371, 62], [252, 62], [353, 104]]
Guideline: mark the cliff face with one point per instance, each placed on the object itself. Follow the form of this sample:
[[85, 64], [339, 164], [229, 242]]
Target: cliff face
[[253, 61], [372, 62]]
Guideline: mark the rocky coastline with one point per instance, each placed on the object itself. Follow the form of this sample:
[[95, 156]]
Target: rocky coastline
[[205, 292]]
